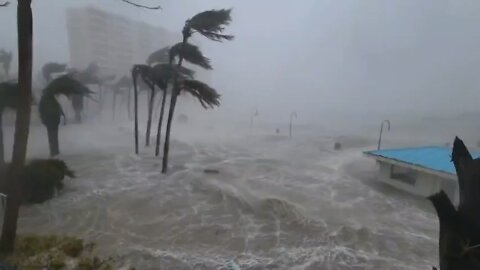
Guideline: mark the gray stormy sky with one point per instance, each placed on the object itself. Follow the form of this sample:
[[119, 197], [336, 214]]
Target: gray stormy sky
[[314, 56]]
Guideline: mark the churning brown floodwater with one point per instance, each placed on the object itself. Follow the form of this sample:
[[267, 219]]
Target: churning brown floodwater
[[277, 203]]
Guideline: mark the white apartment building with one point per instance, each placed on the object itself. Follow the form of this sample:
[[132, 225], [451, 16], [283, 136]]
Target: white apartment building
[[112, 41]]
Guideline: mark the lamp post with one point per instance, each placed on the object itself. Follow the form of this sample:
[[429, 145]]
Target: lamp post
[[381, 132], [292, 115], [255, 114]]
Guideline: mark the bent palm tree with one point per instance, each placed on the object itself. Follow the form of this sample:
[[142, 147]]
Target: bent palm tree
[[50, 113], [190, 53], [144, 72], [163, 73], [211, 25], [50, 109], [206, 95]]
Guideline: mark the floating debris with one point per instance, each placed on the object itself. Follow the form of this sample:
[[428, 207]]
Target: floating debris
[[211, 171]]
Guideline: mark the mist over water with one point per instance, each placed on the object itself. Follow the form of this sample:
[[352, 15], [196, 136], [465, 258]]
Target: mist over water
[[276, 202]]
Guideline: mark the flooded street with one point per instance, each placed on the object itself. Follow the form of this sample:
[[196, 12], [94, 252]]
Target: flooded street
[[276, 203], [267, 108]]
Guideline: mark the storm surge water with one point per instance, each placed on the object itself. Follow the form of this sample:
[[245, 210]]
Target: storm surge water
[[276, 203]]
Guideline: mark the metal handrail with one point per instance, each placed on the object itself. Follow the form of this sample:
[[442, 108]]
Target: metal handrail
[[292, 115], [255, 114], [381, 132]]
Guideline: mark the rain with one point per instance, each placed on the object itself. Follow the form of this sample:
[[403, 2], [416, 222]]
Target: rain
[[226, 134]]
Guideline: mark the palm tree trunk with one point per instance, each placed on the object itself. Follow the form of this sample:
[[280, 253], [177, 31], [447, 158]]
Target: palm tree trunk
[[171, 110], [53, 141], [2, 148], [22, 125], [160, 123], [158, 106], [150, 112], [135, 105], [166, 146]]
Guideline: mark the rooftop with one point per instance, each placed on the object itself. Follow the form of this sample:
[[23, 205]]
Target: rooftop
[[433, 158]]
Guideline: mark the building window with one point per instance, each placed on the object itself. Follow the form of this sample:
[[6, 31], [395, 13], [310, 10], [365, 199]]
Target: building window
[[404, 175]]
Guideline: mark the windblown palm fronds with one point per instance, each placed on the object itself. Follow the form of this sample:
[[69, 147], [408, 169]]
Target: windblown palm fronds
[[190, 53], [145, 72], [163, 73], [210, 24], [52, 68], [206, 95], [66, 85], [159, 56]]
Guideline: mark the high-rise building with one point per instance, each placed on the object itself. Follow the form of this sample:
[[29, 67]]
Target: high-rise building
[[112, 41]]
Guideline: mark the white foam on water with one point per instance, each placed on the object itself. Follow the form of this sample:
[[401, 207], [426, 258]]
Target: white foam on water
[[276, 203]]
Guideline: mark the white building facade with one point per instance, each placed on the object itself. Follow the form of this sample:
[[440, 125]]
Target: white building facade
[[112, 41]]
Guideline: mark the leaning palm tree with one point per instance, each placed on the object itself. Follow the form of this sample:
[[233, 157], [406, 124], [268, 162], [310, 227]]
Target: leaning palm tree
[[49, 69], [144, 72], [50, 109], [163, 74], [190, 53], [211, 25]]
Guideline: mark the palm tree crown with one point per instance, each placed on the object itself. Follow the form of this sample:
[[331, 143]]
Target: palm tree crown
[[51, 68], [190, 53], [159, 56], [66, 85], [206, 95], [209, 24]]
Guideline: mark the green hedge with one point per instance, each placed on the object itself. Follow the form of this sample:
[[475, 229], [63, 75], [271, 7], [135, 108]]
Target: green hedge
[[41, 178]]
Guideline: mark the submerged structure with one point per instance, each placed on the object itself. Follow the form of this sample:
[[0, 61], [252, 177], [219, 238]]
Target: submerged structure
[[421, 171]]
